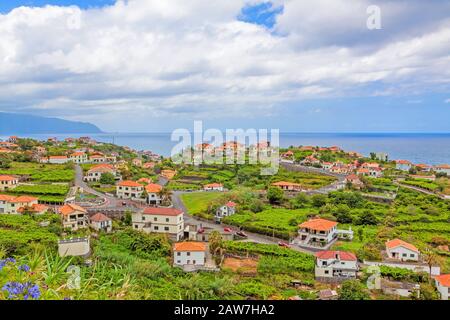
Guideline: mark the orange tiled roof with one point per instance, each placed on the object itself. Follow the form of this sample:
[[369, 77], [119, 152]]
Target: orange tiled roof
[[403, 162], [58, 157], [70, 208], [400, 243], [5, 197], [286, 183], [189, 246], [318, 224], [129, 183], [7, 178], [213, 185], [34, 208], [153, 188], [443, 279], [24, 199], [443, 166]]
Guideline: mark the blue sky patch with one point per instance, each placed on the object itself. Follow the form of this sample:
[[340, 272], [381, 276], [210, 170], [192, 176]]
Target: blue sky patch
[[261, 14], [6, 6]]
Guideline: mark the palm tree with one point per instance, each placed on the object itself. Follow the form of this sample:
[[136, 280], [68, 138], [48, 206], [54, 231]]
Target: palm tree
[[165, 195]]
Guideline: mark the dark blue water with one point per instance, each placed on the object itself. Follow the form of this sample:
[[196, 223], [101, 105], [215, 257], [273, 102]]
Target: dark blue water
[[415, 147]]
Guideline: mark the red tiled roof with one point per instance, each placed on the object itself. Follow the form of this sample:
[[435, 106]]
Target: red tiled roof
[[403, 162], [34, 208], [99, 217], [400, 243], [318, 224], [189, 246], [286, 184], [24, 199], [443, 279], [343, 255], [231, 204], [443, 166], [162, 211]]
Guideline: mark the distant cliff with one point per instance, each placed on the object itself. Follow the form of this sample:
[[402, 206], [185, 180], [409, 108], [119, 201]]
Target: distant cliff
[[13, 123]]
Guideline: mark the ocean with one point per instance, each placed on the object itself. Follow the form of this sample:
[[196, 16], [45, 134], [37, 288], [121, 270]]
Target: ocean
[[429, 148]]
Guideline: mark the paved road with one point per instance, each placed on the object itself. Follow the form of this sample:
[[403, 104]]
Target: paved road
[[398, 183]]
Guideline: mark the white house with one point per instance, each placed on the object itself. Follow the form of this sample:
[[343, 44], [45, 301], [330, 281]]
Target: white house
[[339, 265], [153, 194], [403, 165], [8, 182], [160, 220], [189, 253], [95, 173], [443, 168], [400, 250], [14, 205], [226, 210], [100, 222], [443, 285], [213, 187], [129, 189], [317, 232], [55, 159]]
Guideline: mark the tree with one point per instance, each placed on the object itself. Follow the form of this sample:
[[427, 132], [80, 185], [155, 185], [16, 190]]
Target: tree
[[360, 234], [342, 214], [127, 218], [256, 206], [107, 178], [319, 200], [300, 201], [5, 162], [373, 155], [216, 247], [368, 218], [353, 290], [275, 195]]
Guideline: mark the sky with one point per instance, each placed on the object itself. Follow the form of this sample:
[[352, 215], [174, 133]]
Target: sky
[[293, 65]]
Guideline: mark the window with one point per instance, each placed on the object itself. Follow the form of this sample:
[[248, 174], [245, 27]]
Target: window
[[155, 219], [327, 272], [156, 228], [179, 261], [166, 228], [167, 219], [135, 226], [178, 253], [143, 218], [412, 255], [404, 255], [188, 254]]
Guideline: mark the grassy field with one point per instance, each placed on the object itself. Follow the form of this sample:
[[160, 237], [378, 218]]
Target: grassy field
[[41, 172], [44, 192], [197, 202], [279, 222]]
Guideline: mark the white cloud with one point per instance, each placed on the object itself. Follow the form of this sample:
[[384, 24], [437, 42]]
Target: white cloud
[[156, 58]]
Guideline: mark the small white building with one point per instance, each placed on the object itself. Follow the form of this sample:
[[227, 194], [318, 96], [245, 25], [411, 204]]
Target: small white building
[[443, 285], [226, 210], [339, 265], [213, 187], [400, 250], [100, 222], [55, 159], [403, 165], [95, 173], [189, 253], [16, 205]]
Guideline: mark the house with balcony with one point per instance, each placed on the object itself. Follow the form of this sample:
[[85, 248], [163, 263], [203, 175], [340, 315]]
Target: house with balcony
[[213, 187], [335, 266], [153, 194], [443, 168], [288, 186], [317, 232], [79, 157], [74, 217], [160, 220], [129, 190], [14, 205]]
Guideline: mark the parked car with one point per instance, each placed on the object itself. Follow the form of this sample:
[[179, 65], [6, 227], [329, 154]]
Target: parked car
[[241, 234], [284, 244], [227, 230], [201, 230]]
